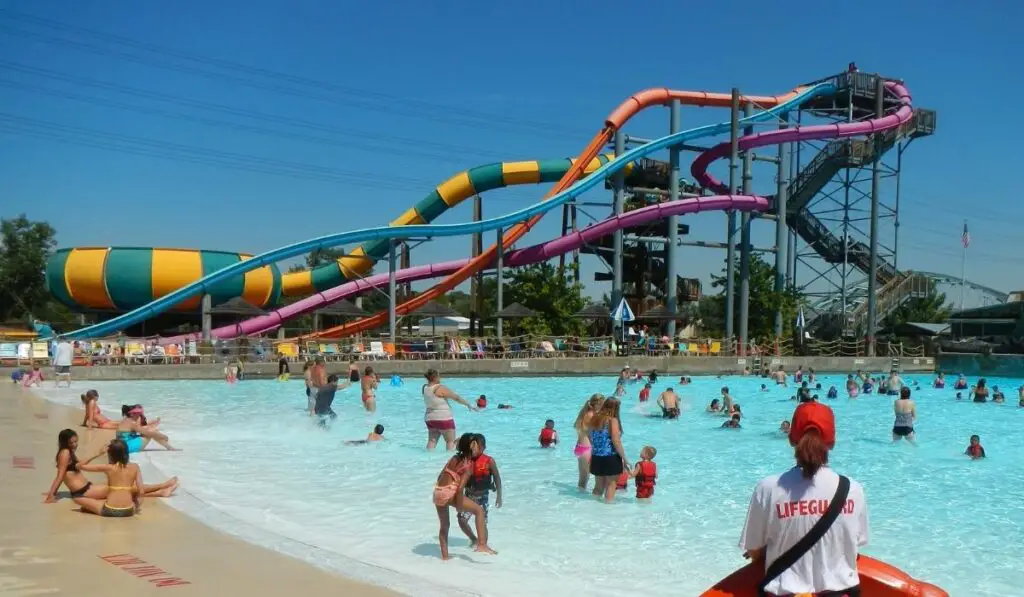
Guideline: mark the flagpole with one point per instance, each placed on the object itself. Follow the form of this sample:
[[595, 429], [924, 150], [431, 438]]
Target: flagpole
[[963, 267]]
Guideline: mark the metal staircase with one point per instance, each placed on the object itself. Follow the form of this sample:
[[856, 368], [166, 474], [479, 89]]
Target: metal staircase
[[890, 297]]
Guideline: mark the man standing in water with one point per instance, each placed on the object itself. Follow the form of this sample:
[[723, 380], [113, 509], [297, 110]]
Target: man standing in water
[[317, 377], [895, 382], [669, 403], [780, 376], [906, 414]]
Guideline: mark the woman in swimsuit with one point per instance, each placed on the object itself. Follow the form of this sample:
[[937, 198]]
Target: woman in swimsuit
[[608, 457], [353, 371], [582, 449], [93, 416], [369, 384], [438, 417], [906, 413], [69, 473], [980, 391], [124, 485], [449, 490], [133, 432]]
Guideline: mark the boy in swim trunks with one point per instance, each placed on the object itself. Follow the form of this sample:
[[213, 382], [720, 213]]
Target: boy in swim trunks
[[974, 450], [374, 436], [483, 478]]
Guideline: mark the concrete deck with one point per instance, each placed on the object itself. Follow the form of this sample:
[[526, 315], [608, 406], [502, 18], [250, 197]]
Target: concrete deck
[[52, 549], [667, 366]]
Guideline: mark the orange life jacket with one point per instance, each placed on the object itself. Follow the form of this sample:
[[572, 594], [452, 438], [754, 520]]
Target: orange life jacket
[[648, 474], [547, 436], [623, 481], [975, 451], [481, 478]]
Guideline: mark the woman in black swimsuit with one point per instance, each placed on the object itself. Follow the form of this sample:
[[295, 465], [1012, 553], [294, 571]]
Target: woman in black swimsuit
[[69, 473], [353, 371]]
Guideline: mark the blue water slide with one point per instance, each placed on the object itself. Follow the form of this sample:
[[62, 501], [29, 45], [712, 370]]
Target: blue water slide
[[430, 230]]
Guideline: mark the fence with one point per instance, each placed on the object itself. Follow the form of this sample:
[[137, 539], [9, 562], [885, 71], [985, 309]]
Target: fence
[[131, 351]]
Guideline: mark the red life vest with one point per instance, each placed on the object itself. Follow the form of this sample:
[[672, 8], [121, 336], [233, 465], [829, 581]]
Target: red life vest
[[975, 451], [481, 477], [623, 481], [547, 436], [648, 475], [481, 403]]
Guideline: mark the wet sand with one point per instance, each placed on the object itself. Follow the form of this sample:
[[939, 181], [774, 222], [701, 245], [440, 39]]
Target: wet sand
[[52, 549]]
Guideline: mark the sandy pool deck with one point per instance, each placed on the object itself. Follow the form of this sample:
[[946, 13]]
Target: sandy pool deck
[[52, 549]]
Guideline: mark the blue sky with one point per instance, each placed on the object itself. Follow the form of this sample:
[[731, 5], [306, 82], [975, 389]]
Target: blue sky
[[385, 102]]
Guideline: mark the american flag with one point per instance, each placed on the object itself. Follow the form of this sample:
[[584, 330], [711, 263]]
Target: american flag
[[966, 238]]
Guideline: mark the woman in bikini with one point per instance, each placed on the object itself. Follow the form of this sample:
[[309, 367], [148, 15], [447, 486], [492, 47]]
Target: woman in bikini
[[69, 473], [582, 449], [135, 434], [369, 384], [93, 417], [449, 491], [124, 485]]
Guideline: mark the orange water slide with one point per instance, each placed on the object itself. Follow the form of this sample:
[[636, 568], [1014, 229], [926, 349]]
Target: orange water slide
[[615, 121]]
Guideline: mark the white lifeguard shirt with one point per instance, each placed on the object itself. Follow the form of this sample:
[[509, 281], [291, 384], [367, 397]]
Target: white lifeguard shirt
[[782, 511], [63, 354]]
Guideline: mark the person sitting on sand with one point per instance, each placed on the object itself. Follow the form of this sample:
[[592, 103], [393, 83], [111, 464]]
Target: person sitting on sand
[[975, 450], [135, 435], [483, 478], [374, 436], [669, 403], [93, 416], [124, 485], [70, 474], [32, 378], [449, 492]]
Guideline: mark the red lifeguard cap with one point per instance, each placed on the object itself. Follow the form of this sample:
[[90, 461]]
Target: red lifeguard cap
[[813, 415]]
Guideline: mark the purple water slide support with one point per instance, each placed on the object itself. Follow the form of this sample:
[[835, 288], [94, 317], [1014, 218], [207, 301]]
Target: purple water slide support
[[529, 255], [699, 168]]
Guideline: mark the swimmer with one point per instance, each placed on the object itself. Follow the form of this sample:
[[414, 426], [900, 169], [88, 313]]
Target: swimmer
[[817, 386], [325, 399], [283, 369], [784, 428], [833, 393], [975, 450], [803, 393], [449, 492], [997, 395], [652, 377], [780, 376], [374, 436], [645, 394], [583, 446], [481, 402], [961, 383], [798, 377], [812, 376], [483, 478], [669, 403], [733, 422], [230, 373], [980, 392], [368, 384], [353, 370], [620, 391], [715, 406], [867, 386], [505, 407], [764, 388], [906, 415], [851, 387], [645, 473], [548, 436], [895, 383], [684, 380], [959, 395]]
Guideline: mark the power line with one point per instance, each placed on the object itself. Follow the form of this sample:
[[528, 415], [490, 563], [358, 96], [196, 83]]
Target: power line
[[421, 109]]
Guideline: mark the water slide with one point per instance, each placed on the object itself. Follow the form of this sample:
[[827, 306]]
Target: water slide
[[527, 256], [520, 221]]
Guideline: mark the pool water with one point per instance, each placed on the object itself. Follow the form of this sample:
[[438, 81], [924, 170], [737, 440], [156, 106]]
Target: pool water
[[254, 464]]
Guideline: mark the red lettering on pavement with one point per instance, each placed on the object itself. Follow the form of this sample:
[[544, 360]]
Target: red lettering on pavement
[[143, 569]]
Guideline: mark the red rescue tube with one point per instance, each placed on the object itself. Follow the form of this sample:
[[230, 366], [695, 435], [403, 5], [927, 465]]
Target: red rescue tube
[[877, 579]]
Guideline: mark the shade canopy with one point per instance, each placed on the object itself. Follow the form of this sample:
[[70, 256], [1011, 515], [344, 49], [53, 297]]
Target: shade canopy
[[435, 309], [660, 313], [515, 311], [342, 308], [594, 311], [237, 306]]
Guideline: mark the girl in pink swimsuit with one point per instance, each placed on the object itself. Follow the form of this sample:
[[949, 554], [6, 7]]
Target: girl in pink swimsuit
[[582, 449], [449, 491]]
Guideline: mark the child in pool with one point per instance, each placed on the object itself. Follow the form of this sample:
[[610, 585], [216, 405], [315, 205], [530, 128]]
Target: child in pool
[[645, 394], [733, 422], [481, 402], [784, 428], [715, 406], [374, 436], [645, 473], [833, 393], [483, 477], [548, 435], [764, 388], [504, 407], [974, 450], [997, 395]]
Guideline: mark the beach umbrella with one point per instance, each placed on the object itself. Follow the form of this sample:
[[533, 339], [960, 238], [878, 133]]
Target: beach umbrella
[[515, 311], [593, 311], [237, 306], [433, 310]]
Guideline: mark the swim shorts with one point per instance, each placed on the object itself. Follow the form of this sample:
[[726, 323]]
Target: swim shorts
[[63, 369], [445, 425], [902, 431], [480, 498]]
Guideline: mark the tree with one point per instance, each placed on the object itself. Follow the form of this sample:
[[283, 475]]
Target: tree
[[931, 308], [25, 247], [762, 306], [554, 298]]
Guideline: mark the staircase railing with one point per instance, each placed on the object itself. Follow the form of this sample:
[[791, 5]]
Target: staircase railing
[[890, 297]]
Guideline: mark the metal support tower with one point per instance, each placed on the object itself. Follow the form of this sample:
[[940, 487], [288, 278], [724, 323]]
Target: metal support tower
[[671, 250], [781, 230], [730, 232], [618, 198], [748, 176], [875, 181]]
